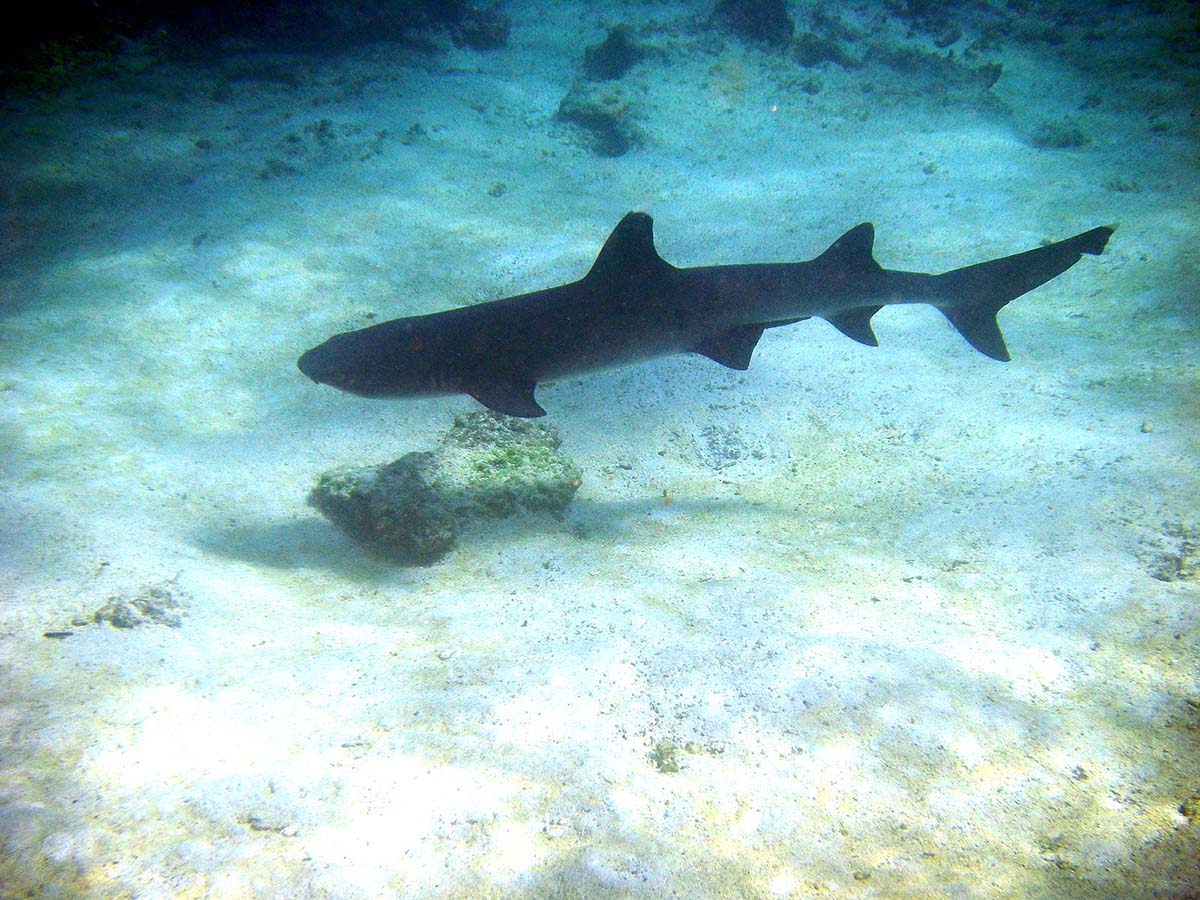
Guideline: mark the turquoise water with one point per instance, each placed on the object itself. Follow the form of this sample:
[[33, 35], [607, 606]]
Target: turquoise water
[[856, 622]]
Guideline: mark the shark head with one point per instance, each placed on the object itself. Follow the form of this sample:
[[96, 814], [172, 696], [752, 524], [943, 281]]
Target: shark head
[[392, 359]]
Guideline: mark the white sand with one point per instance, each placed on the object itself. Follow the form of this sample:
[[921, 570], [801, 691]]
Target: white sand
[[909, 643]]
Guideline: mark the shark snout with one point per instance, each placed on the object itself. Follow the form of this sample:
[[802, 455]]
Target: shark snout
[[336, 364], [324, 364], [312, 364]]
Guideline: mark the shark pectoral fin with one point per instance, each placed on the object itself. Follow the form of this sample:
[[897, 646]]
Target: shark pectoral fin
[[513, 398], [856, 323], [732, 347]]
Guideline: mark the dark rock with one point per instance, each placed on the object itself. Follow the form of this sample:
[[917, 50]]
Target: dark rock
[[923, 72], [987, 75], [812, 50], [762, 21], [945, 34], [1062, 135], [482, 29], [603, 114], [612, 57], [828, 24]]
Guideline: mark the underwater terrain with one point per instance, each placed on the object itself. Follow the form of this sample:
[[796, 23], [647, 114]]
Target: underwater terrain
[[893, 622]]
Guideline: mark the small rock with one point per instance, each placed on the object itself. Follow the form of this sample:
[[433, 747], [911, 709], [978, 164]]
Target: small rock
[[1174, 553], [154, 604], [554, 829], [665, 757], [1190, 808], [393, 509]]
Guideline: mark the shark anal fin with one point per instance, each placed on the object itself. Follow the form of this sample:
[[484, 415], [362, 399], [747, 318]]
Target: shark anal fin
[[513, 398], [732, 347], [856, 324]]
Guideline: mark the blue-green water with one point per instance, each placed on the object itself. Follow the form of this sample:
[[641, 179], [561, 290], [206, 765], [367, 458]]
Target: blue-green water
[[857, 622]]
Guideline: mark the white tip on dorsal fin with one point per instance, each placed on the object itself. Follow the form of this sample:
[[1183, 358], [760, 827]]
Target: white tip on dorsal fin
[[629, 251]]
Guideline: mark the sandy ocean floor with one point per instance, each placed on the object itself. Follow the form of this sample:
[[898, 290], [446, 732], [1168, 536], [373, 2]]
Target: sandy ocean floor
[[895, 622]]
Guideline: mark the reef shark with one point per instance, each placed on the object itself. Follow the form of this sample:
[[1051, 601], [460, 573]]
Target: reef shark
[[633, 305]]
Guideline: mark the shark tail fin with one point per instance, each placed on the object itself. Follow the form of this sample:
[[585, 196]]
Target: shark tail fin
[[971, 296]]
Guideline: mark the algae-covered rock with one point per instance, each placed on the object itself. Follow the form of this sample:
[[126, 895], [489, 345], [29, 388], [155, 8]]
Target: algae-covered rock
[[497, 465], [487, 466], [392, 508]]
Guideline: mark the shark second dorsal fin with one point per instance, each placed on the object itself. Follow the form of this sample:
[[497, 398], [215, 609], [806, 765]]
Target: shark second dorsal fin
[[853, 251], [629, 251]]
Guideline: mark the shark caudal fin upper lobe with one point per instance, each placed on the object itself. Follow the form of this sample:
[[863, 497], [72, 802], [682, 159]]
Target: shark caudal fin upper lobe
[[970, 297]]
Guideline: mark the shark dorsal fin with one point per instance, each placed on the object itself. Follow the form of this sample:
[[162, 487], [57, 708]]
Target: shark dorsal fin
[[629, 251], [852, 252]]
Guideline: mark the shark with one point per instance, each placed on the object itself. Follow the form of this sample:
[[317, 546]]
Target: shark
[[632, 305]]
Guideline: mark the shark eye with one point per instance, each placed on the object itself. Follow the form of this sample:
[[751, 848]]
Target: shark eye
[[416, 345]]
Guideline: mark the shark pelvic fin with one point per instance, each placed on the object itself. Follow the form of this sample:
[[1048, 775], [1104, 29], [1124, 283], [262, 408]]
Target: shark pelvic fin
[[513, 398], [732, 347]]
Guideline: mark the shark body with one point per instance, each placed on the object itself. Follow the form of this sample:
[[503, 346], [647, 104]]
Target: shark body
[[632, 305]]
